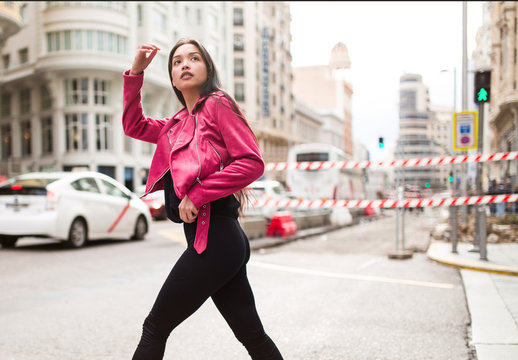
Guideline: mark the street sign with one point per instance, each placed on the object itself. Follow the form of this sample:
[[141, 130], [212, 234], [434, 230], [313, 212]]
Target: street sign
[[465, 130]]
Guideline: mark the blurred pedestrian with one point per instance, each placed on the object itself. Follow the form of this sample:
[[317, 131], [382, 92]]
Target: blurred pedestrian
[[500, 207], [206, 154]]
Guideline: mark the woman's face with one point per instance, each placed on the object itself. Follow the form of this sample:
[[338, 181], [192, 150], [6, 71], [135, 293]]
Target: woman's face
[[189, 72]]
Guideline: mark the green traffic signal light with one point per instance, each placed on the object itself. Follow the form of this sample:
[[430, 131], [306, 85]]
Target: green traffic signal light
[[380, 143], [450, 178], [427, 185], [482, 95]]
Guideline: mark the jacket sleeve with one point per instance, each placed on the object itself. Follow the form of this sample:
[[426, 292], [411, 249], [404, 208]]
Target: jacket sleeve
[[134, 123], [246, 163]]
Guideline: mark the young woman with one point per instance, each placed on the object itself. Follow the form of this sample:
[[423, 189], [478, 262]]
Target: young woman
[[205, 155]]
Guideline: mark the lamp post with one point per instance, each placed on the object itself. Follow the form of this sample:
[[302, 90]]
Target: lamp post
[[453, 209]]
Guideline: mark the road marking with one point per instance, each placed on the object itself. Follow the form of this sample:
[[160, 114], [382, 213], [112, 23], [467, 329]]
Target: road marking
[[351, 276], [175, 235]]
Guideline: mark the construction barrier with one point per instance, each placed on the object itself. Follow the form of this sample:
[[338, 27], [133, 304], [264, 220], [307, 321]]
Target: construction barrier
[[446, 160], [388, 203]]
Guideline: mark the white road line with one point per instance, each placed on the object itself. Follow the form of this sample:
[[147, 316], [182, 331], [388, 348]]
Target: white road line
[[351, 276]]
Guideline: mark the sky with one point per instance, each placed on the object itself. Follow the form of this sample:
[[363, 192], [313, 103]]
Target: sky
[[385, 40]]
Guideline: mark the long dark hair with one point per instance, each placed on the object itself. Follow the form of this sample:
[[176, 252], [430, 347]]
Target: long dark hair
[[211, 85]]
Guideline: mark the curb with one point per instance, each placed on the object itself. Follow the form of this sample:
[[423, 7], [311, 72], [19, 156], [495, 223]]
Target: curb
[[441, 253]]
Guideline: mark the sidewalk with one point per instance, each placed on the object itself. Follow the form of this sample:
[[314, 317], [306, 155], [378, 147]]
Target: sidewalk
[[491, 288]]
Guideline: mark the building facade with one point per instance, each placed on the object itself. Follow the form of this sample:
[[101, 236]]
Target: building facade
[[503, 105], [263, 75], [328, 90], [423, 133], [61, 81]]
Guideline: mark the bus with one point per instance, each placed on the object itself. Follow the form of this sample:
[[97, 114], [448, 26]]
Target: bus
[[338, 184]]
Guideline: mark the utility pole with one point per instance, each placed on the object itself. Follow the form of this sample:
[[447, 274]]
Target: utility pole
[[463, 167]]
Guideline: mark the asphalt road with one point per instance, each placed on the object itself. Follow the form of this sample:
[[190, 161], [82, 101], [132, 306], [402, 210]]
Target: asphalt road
[[335, 296]]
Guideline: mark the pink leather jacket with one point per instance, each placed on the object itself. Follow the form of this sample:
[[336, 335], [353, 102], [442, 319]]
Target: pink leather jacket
[[211, 153]]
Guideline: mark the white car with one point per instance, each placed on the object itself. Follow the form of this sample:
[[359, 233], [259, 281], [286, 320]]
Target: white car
[[73, 207], [264, 190]]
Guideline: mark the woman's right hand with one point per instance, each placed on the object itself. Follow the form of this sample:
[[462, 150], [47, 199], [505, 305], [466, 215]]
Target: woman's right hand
[[143, 58]]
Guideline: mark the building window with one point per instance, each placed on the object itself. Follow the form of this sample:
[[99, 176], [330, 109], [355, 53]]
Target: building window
[[239, 92], [238, 17], [6, 105], [23, 55], [25, 101], [7, 141], [76, 126], [103, 41], [76, 91], [198, 16], [26, 138], [103, 131], [46, 135], [239, 42], [159, 20], [101, 92], [46, 99], [6, 59], [239, 67], [139, 15]]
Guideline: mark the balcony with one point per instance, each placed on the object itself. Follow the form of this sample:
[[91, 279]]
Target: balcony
[[10, 19]]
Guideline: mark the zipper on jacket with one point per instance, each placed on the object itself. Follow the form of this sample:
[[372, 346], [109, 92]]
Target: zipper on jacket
[[219, 156], [197, 151], [151, 188]]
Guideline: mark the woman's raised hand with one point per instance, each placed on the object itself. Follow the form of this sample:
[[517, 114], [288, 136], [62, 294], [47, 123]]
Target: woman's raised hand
[[143, 58]]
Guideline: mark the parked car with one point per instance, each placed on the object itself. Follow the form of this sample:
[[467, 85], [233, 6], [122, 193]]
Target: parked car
[[155, 202], [72, 207], [263, 190]]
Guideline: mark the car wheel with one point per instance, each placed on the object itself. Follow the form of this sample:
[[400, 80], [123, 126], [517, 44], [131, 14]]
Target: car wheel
[[77, 235], [140, 228], [8, 242]]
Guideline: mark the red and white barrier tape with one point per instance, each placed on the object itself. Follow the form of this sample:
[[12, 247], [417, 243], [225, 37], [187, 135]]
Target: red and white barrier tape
[[387, 203], [461, 159]]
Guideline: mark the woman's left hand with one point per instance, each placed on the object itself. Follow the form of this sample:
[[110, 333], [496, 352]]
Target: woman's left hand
[[188, 212]]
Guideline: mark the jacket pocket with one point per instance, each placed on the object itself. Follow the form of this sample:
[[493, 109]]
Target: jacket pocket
[[218, 154]]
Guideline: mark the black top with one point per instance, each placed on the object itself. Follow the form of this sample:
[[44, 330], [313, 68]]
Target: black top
[[227, 206]]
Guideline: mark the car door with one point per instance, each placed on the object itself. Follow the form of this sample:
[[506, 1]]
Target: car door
[[87, 200], [119, 221]]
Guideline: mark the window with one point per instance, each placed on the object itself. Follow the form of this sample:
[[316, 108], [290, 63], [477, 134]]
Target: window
[[76, 91], [76, 126], [25, 101], [139, 15], [238, 17], [159, 20], [46, 135], [26, 138], [198, 16], [112, 190], [103, 131], [86, 184], [7, 141], [46, 99], [68, 40], [6, 105], [23, 55], [6, 59], [101, 92], [239, 92], [239, 42], [78, 39], [239, 67]]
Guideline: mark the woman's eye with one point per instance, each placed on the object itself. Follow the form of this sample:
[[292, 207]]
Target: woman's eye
[[195, 58], [176, 62]]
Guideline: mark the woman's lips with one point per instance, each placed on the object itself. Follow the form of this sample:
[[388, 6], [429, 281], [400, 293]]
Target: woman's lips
[[186, 75]]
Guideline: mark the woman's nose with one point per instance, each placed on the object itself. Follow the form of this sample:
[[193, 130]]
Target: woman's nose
[[185, 65]]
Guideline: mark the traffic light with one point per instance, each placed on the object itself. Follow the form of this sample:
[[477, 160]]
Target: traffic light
[[427, 185], [450, 178], [482, 86], [380, 142]]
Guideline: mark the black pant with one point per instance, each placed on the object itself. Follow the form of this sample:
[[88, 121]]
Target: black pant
[[220, 273]]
